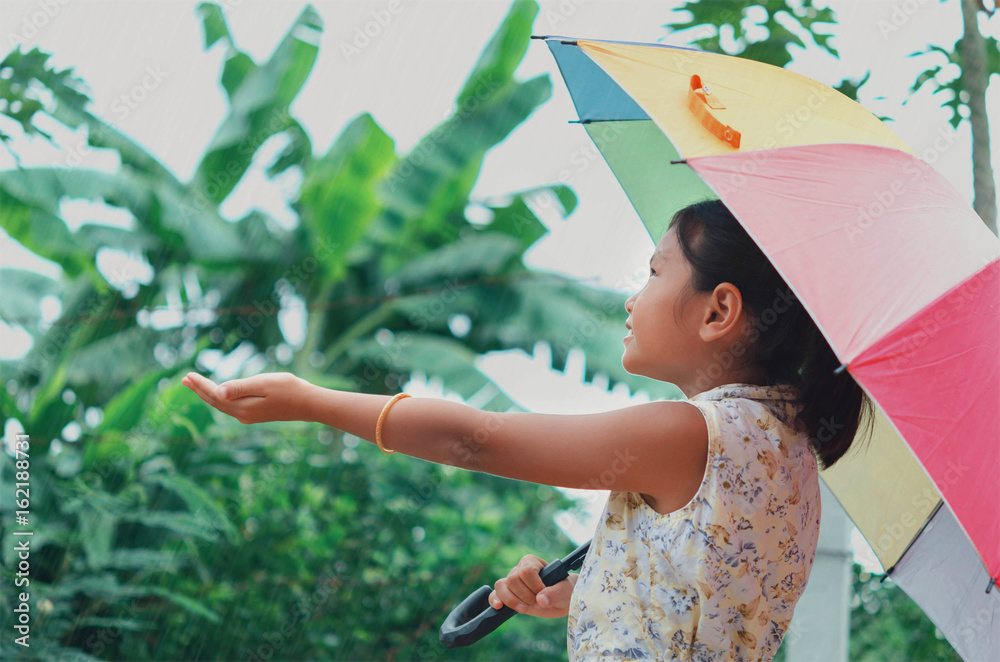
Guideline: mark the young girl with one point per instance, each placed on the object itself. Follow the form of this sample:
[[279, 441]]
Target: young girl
[[710, 529]]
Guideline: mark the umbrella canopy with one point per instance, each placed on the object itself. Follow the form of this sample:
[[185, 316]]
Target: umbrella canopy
[[894, 267]]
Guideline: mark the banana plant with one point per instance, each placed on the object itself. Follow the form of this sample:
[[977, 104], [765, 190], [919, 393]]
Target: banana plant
[[149, 494]]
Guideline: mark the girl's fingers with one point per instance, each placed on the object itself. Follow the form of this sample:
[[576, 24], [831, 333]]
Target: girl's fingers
[[528, 572], [196, 382], [234, 388], [503, 594], [204, 393], [242, 409], [556, 595], [195, 378], [519, 591], [521, 585], [203, 388], [199, 387], [516, 593], [556, 604], [523, 580], [503, 591]]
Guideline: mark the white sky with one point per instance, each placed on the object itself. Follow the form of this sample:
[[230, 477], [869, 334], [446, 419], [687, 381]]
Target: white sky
[[407, 75]]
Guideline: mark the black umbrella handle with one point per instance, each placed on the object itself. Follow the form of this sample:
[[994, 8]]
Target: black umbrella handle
[[475, 617]]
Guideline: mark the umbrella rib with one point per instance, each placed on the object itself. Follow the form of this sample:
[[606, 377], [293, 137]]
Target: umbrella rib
[[913, 539], [611, 119]]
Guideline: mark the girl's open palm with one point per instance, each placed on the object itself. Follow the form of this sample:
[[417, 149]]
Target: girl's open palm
[[272, 396], [524, 591]]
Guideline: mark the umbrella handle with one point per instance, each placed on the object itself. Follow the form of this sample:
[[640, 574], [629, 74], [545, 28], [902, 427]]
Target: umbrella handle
[[701, 101], [474, 617]]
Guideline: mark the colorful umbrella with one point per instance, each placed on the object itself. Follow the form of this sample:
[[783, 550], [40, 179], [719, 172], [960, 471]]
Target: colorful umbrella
[[893, 265]]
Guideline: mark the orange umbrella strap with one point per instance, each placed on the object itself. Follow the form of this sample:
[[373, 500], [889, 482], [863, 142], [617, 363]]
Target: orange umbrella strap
[[700, 100]]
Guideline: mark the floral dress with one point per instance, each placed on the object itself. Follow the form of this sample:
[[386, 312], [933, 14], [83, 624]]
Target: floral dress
[[717, 579]]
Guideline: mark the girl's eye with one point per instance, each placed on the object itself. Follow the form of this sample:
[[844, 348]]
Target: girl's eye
[[652, 272]]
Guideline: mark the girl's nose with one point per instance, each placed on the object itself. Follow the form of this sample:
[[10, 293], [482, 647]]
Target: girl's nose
[[630, 302]]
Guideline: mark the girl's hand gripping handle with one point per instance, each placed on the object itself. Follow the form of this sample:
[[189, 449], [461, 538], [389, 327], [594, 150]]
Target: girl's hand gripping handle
[[475, 618], [524, 591]]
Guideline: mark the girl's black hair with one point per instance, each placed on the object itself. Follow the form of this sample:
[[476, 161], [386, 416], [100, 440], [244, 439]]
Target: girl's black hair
[[787, 347]]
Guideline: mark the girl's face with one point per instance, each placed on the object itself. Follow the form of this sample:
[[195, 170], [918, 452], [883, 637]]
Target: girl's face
[[657, 340]]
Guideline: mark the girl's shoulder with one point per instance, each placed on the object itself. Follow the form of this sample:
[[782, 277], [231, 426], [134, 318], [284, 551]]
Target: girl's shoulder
[[749, 418], [731, 401]]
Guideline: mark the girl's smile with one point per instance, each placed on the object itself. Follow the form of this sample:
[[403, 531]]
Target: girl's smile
[[657, 341]]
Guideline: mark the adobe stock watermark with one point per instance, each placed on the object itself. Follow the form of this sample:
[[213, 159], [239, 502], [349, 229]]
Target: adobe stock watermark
[[723, 361], [469, 446], [955, 302], [898, 16], [123, 106], [609, 477], [305, 608], [50, 346], [485, 87], [882, 201], [102, 131], [596, 318], [786, 127], [372, 29], [169, 560], [562, 12], [583, 157], [594, 321], [828, 429], [383, 362], [393, 345], [135, 609], [223, 179], [463, 455], [607, 133], [923, 501], [73, 156], [202, 199], [972, 625], [433, 311], [290, 281], [35, 21]]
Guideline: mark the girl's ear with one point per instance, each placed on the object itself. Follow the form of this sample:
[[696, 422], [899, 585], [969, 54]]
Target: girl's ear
[[722, 312]]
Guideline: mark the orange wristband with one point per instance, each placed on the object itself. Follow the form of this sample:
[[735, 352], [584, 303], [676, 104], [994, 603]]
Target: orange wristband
[[381, 417]]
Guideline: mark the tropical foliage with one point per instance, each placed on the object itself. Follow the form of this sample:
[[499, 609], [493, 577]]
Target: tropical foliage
[[762, 30], [164, 531], [963, 74]]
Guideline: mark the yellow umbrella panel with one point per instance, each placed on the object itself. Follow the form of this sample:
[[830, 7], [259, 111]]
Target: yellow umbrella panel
[[802, 111]]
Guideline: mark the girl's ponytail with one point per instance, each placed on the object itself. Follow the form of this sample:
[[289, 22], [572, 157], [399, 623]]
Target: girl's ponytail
[[789, 348], [833, 402]]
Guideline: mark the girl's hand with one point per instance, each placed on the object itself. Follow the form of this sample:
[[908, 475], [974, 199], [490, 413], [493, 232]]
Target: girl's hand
[[272, 396], [523, 590]]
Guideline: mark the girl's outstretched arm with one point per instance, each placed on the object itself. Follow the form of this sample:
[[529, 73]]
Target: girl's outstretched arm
[[428, 431], [658, 449]]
